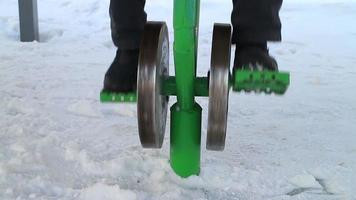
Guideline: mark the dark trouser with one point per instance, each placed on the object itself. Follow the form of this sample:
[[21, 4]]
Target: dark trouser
[[254, 21]]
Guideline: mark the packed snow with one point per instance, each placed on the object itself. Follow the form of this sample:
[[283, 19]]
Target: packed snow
[[57, 141]]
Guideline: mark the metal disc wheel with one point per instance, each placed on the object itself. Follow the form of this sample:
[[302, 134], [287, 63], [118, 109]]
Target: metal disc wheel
[[219, 87], [153, 67]]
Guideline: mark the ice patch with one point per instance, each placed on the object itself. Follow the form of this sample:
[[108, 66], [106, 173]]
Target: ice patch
[[15, 107], [15, 130], [83, 108], [326, 177], [17, 148], [123, 109], [127, 110], [106, 192], [304, 181]]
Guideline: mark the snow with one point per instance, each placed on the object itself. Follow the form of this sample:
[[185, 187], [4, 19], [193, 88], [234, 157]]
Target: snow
[[304, 181], [102, 191], [57, 141], [83, 108]]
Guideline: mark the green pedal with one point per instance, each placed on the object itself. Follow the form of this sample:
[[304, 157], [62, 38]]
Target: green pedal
[[261, 81], [111, 97]]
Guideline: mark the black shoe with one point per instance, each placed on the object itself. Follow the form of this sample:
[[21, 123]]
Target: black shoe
[[254, 57], [122, 74]]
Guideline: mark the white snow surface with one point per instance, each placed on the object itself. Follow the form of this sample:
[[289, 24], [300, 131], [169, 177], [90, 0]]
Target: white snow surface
[[57, 141]]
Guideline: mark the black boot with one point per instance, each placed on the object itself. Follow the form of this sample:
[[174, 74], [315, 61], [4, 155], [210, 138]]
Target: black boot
[[122, 74], [254, 57]]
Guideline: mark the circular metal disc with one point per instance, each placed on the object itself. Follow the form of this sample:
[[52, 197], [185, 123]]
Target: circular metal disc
[[153, 67], [219, 87]]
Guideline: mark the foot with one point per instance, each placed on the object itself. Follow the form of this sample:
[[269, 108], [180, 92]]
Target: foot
[[122, 74], [254, 57]]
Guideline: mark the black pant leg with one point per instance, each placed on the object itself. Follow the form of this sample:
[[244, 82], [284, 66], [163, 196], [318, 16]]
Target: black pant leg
[[256, 21], [128, 19]]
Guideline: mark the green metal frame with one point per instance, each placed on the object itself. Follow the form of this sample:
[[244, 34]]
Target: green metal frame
[[185, 124], [118, 97], [263, 81], [186, 113]]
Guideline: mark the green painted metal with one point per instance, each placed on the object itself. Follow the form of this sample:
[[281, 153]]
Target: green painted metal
[[185, 23], [262, 81], [185, 140], [201, 87], [111, 97], [186, 113]]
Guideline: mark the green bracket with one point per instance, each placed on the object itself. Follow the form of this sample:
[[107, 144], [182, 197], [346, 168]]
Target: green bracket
[[201, 86], [169, 88], [261, 81], [110, 97]]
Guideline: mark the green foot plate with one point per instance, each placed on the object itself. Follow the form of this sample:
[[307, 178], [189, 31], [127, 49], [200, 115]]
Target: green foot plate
[[261, 81], [111, 97]]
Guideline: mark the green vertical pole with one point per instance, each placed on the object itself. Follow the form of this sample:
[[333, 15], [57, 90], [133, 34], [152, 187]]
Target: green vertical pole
[[186, 113], [185, 24]]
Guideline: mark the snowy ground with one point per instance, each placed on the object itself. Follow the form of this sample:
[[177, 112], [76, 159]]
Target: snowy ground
[[58, 142]]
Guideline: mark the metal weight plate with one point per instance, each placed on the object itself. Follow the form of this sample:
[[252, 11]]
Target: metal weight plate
[[219, 87], [153, 68]]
